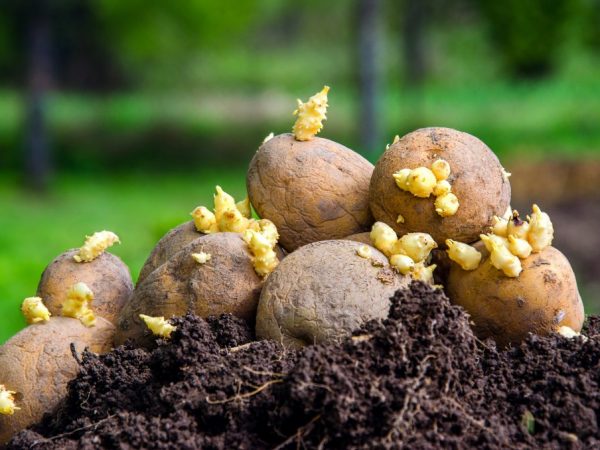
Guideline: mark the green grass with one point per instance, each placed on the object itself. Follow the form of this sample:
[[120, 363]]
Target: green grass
[[140, 209]]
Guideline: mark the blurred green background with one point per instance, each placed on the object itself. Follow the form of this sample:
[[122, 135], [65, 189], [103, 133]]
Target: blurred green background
[[123, 115]]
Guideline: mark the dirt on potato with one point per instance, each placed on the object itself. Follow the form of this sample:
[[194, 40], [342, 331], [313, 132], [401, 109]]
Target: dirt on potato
[[418, 379]]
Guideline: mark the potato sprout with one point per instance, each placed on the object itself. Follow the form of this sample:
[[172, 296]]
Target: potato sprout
[[441, 169], [415, 245], [517, 227], [7, 401], [502, 259], [421, 182], [158, 326], [95, 245], [466, 256], [442, 187], [262, 243], [383, 237], [446, 205], [519, 247], [204, 220], [77, 304], [541, 230], [310, 116], [34, 310], [568, 332], [402, 263], [423, 273], [202, 257], [364, 251]]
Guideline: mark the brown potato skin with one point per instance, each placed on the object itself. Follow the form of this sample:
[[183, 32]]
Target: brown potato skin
[[507, 309], [169, 244], [37, 363], [323, 291], [476, 179], [312, 191], [225, 284], [364, 238], [107, 276]]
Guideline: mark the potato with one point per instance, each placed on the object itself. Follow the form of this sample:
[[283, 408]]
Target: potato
[[476, 178], [226, 283], [169, 244], [312, 190], [323, 291], [364, 238], [107, 276], [37, 364], [543, 297]]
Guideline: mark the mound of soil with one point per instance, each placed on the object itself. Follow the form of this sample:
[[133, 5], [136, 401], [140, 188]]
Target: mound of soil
[[417, 380]]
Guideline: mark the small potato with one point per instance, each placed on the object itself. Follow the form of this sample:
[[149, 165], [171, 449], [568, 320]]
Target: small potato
[[541, 299], [107, 276], [323, 291], [169, 244], [311, 190], [226, 283], [476, 179], [37, 364]]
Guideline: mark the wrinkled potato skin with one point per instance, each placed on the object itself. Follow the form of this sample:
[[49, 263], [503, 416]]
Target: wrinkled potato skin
[[507, 309], [312, 191], [364, 238], [37, 363], [227, 283], [107, 276], [323, 291], [169, 244], [476, 179]]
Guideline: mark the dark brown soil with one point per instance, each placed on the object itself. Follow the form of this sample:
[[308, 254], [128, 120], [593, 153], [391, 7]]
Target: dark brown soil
[[417, 380]]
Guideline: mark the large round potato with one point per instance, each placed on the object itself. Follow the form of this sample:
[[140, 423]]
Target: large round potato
[[107, 276], [311, 190], [541, 299], [227, 283], [37, 364], [323, 291], [476, 177], [169, 244]]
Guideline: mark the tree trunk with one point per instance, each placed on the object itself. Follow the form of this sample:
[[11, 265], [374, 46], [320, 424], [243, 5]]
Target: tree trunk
[[37, 151], [369, 75]]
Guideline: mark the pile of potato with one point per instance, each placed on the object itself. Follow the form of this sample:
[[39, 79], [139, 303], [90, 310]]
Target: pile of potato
[[335, 238]]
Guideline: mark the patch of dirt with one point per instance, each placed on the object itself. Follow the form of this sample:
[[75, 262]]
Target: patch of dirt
[[418, 379]]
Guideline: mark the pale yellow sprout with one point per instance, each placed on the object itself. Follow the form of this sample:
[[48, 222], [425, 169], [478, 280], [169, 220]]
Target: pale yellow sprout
[[401, 178], [223, 203], [567, 332], [264, 257], [364, 251], [517, 227], [34, 310], [233, 220], [499, 226], [158, 326], [402, 263], [441, 169], [465, 255], [383, 237], [396, 139], [243, 206], [502, 259], [508, 213], [7, 401], [505, 174], [423, 273], [519, 247], [490, 239], [202, 257], [400, 219], [269, 136], [541, 230], [415, 245], [446, 205], [421, 182], [441, 187], [204, 220], [267, 229], [310, 116], [77, 304], [95, 245]]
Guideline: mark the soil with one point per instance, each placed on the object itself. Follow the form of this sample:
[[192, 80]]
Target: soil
[[417, 380]]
